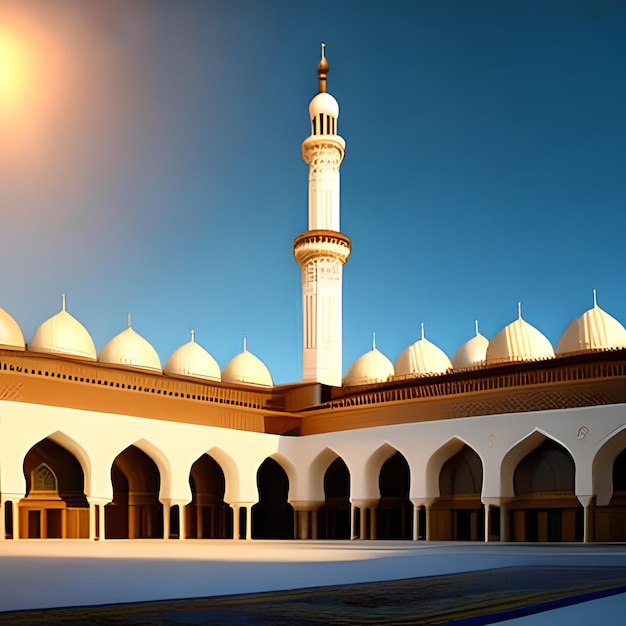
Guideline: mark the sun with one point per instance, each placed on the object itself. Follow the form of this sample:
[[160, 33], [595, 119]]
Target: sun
[[13, 71]]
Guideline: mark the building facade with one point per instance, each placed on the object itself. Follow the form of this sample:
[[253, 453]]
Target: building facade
[[509, 440]]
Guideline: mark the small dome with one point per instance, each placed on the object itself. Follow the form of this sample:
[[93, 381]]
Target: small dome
[[193, 360], [130, 348], [248, 369], [422, 357], [372, 367], [472, 353], [519, 341], [324, 103], [594, 330], [64, 334], [11, 335]]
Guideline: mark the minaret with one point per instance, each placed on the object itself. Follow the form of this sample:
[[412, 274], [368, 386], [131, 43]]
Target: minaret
[[322, 250]]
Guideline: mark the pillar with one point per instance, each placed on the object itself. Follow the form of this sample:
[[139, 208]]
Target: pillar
[[236, 529], [416, 521], [373, 528], [487, 522], [166, 520], [248, 510], [93, 514], [353, 510], [16, 520], [102, 523], [588, 530], [3, 530]]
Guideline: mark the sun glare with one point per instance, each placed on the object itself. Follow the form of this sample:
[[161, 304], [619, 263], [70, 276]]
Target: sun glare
[[13, 70]]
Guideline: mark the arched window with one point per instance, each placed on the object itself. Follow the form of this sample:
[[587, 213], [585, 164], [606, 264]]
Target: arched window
[[44, 479]]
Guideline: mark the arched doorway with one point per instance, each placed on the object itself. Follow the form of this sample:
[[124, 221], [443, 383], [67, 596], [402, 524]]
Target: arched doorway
[[55, 505], [610, 521], [458, 514], [545, 507], [208, 516], [272, 516], [337, 501], [394, 513], [135, 512]]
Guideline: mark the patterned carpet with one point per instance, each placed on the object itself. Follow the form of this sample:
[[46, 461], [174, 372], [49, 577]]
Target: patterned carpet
[[434, 600]]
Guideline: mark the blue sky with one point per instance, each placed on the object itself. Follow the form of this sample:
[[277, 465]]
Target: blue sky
[[150, 163]]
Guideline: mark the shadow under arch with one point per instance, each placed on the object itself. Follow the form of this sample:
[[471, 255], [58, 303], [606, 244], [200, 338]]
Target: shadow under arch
[[540, 472], [272, 516], [373, 466], [394, 511], [208, 516], [609, 481], [55, 505], [458, 513], [135, 511]]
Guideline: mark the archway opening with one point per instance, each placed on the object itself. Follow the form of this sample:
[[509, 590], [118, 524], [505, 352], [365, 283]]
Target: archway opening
[[394, 513], [610, 521], [272, 516], [458, 514], [208, 516], [135, 512], [545, 507], [337, 501], [55, 505]]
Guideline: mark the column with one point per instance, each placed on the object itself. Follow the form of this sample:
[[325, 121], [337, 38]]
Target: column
[[587, 502], [373, 529], [3, 530], [93, 514], [166, 520], [416, 522], [504, 523], [353, 510], [102, 535], [199, 522], [182, 530], [235, 508], [363, 524], [16, 520], [248, 510], [487, 508]]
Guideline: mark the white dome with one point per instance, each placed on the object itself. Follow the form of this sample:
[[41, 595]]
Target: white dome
[[193, 360], [324, 103], [11, 335], [247, 369], [422, 357], [594, 330], [372, 367], [64, 334], [519, 341], [130, 348], [472, 353]]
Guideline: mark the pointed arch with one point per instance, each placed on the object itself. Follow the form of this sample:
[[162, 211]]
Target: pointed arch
[[602, 467], [458, 513], [317, 471], [517, 452], [538, 478], [136, 511], [74, 448], [272, 516], [394, 510], [609, 485], [208, 516], [231, 473], [373, 465], [55, 505]]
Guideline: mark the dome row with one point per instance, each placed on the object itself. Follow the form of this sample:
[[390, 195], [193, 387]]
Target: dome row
[[63, 334], [519, 341]]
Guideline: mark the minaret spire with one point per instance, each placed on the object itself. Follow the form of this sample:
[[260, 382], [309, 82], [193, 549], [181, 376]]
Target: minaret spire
[[322, 70], [322, 250]]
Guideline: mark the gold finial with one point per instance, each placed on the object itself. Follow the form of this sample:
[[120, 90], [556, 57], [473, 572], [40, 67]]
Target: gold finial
[[322, 71]]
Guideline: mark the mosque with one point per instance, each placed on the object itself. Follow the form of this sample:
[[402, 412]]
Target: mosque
[[510, 440]]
